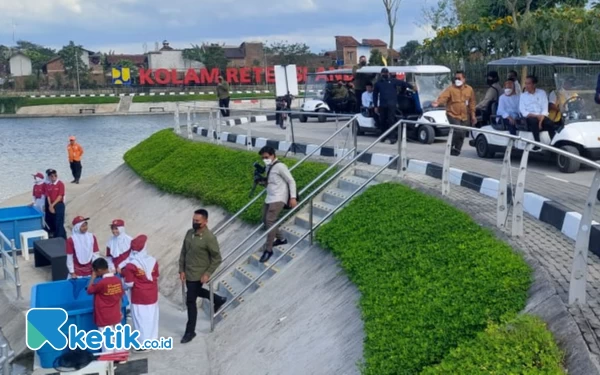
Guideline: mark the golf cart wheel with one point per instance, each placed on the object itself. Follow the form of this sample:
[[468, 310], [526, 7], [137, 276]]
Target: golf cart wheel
[[566, 165], [322, 118], [303, 118], [426, 134], [483, 148]]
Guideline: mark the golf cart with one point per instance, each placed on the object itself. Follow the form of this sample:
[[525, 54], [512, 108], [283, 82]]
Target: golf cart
[[579, 132], [430, 81], [317, 94]]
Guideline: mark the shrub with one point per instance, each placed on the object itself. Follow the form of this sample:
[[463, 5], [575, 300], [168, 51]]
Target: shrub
[[214, 174], [429, 276], [521, 346], [29, 102]]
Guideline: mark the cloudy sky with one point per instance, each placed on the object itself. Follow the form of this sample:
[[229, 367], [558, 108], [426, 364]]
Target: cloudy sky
[[126, 25]]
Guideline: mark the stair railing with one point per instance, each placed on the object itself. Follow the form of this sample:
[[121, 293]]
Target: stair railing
[[285, 217], [222, 227], [10, 264]]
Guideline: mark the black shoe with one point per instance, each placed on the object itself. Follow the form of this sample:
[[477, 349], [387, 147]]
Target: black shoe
[[536, 149], [266, 256], [383, 140], [77, 182], [393, 141], [74, 181], [219, 303], [280, 242], [454, 152], [188, 337]]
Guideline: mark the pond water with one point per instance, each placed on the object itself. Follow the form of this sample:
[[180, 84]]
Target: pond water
[[30, 145]]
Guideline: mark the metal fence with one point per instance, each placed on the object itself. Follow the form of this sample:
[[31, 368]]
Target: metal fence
[[10, 264]]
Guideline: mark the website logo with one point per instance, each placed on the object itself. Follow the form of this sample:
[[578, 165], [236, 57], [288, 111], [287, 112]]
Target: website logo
[[44, 326]]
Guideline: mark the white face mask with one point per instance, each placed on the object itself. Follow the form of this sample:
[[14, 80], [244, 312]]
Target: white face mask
[[267, 162], [458, 82], [507, 92], [38, 180]]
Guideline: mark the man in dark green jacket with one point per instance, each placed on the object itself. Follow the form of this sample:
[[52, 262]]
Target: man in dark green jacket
[[223, 95], [200, 257]]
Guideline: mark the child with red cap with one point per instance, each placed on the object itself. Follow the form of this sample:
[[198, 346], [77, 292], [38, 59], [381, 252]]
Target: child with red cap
[[82, 249], [108, 293], [141, 276], [39, 192]]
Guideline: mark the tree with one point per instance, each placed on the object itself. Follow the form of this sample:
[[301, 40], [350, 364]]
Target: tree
[[286, 53], [38, 54], [391, 12], [71, 56], [376, 58], [440, 15], [409, 52], [211, 55]]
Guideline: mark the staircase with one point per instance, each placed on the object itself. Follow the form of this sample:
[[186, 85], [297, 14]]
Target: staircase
[[124, 104], [246, 271]]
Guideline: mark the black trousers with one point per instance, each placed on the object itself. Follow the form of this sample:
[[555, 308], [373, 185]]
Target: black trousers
[[59, 221], [359, 99], [387, 118], [458, 136], [511, 128], [534, 127], [224, 103], [76, 170], [195, 290]]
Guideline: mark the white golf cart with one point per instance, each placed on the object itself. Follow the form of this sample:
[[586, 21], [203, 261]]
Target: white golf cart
[[430, 81], [580, 134], [317, 93]]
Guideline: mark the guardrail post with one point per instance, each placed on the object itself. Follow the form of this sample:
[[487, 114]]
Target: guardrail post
[[336, 143], [189, 123], [249, 136], [16, 268], [211, 308], [177, 124], [5, 363], [355, 127], [517, 218], [219, 127], [577, 286], [502, 203], [402, 163], [3, 259], [310, 220], [446, 166], [211, 128]]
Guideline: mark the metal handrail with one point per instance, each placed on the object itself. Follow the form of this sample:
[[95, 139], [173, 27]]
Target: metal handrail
[[287, 216], [12, 259], [338, 115], [306, 157]]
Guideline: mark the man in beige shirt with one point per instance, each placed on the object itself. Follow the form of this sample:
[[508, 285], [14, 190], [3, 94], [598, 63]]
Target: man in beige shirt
[[459, 100]]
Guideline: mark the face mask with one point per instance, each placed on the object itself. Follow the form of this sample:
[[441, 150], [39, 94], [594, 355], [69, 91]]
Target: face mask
[[38, 180], [385, 76], [507, 91], [458, 82], [267, 162], [363, 63], [196, 226], [490, 82]]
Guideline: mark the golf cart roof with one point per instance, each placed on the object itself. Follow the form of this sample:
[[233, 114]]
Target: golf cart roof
[[333, 72], [419, 69], [540, 60]]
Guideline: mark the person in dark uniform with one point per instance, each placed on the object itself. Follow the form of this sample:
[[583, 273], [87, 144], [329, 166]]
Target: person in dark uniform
[[385, 98]]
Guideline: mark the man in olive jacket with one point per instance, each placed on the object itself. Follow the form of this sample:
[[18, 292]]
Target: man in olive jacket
[[200, 257], [223, 95]]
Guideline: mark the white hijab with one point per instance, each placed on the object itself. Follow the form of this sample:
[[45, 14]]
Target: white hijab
[[119, 244], [141, 259], [84, 244], [39, 181]]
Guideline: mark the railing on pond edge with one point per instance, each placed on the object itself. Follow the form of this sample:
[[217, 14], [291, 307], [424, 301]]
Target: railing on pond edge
[[10, 264], [578, 282]]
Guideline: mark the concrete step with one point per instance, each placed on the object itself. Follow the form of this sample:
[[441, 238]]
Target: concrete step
[[366, 173], [251, 271], [229, 287], [322, 209], [352, 183], [255, 261], [293, 233], [335, 196], [303, 219]]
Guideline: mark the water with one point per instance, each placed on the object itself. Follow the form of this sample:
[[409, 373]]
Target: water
[[30, 145]]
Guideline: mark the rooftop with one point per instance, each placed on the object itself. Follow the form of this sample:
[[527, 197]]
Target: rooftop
[[347, 41]]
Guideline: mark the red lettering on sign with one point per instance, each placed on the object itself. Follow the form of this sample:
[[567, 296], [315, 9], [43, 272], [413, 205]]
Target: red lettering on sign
[[258, 73], [145, 77], [232, 75], [208, 78], [270, 75], [245, 78], [174, 79], [191, 76], [162, 76], [348, 77], [320, 77]]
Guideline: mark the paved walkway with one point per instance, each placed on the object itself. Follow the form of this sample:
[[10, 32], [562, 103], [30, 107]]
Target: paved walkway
[[543, 178]]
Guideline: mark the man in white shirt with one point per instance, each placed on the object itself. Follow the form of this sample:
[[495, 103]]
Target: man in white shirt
[[508, 107], [367, 97], [533, 106]]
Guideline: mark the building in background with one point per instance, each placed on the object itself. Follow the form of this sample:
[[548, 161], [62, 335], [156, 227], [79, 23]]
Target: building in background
[[20, 69], [246, 54], [92, 63], [348, 50], [170, 58]]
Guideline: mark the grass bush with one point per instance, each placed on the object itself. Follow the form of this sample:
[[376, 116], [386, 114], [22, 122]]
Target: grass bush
[[190, 98], [214, 174], [30, 102], [520, 346], [429, 276]]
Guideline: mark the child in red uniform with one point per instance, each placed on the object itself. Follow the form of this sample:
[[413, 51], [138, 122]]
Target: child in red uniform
[[39, 192], [107, 297], [118, 247], [141, 275], [82, 249]]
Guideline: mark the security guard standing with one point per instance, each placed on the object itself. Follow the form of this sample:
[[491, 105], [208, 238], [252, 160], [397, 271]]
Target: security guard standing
[[385, 99]]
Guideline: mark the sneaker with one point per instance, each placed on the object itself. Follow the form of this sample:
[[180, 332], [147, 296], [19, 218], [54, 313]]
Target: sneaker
[[279, 242], [454, 152], [266, 256], [188, 337], [536, 149]]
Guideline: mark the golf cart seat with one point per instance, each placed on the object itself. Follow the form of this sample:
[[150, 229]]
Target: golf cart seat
[[486, 117]]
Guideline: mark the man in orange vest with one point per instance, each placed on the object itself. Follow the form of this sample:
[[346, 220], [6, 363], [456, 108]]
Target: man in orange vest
[[75, 153]]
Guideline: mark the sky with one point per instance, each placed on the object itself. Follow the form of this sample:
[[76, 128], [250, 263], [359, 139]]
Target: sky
[[134, 26]]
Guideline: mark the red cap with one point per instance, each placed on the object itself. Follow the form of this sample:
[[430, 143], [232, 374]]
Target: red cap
[[117, 223], [38, 175], [80, 219], [138, 243], [72, 138]]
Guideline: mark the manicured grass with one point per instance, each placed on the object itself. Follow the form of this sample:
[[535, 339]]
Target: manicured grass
[[29, 102], [520, 346], [191, 98], [430, 277], [214, 174]]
